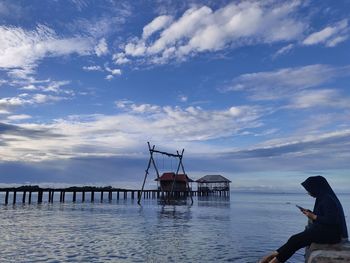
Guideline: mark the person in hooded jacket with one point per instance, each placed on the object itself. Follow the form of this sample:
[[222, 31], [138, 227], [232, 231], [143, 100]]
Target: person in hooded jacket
[[327, 223]]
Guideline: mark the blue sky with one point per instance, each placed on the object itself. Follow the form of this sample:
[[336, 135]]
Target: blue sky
[[254, 90]]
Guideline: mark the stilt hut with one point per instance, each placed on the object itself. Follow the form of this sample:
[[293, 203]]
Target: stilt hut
[[213, 183], [180, 184]]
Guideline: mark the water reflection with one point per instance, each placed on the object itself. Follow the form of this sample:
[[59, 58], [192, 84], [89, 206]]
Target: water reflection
[[174, 202], [212, 229], [175, 212], [214, 201]]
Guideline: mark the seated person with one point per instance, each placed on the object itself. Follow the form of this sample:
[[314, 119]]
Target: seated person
[[328, 225]]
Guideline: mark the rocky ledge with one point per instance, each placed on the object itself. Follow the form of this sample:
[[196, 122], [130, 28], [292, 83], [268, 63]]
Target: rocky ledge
[[324, 253]]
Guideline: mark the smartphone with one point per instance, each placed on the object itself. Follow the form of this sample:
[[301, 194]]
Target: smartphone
[[301, 208]]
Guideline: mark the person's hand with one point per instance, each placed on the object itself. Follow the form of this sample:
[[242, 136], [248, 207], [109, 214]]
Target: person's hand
[[309, 214]]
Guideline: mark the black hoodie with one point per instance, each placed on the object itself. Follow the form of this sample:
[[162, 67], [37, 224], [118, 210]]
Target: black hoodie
[[327, 207]]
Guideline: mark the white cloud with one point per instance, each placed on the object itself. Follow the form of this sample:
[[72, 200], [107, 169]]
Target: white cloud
[[7, 104], [319, 98], [30, 87], [312, 98], [144, 108], [101, 48], [202, 29], [2, 82], [298, 153], [113, 72], [120, 58], [335, 41], [55, 86], [19, 117], [92, 68], [49, 86], [4, 112], [24, 73], [157, 24], [123, 103], [104, 24], [109, 77], [126, 134], [330, 36], [130, 107], [284, 50], [135, 49], [283, 83], [21, 49], [43, 98], [183, 98], [192, 123], [101, 135], [21, 80], [11, 102], [309, 138]]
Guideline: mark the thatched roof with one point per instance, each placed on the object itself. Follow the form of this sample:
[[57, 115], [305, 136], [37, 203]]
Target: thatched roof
[[170, 177], [213, 178]]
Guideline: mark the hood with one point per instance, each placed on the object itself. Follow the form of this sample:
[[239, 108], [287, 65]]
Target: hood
[[317, 186]]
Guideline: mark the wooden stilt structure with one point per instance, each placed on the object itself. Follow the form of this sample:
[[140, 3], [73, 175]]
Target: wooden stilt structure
[[46, 195], [151, 162]]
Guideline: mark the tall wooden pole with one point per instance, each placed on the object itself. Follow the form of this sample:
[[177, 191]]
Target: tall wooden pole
[[177, 172], [183, 170], [146, 172]]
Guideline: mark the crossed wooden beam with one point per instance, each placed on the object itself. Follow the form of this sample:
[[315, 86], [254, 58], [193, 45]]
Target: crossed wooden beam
[[152, 162]]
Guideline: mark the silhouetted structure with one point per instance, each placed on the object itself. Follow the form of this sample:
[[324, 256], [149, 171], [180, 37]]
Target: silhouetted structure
[[35, 194], [215, 183], [170, 192], [180, 184]]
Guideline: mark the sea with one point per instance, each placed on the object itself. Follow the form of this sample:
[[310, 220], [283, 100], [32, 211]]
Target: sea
[[240, 228]]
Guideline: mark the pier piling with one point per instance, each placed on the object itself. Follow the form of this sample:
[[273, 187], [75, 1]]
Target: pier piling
[[40, 197], [48, 193], [7, 197], [14, 197], [52, 195]]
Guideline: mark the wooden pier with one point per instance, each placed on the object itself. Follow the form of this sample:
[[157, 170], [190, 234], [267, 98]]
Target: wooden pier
[[35, 194]]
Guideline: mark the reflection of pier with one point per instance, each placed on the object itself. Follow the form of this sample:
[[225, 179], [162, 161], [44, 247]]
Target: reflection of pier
[[36, 194], [214, 201]]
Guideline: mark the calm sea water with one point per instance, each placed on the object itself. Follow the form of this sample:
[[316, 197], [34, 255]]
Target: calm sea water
[[239, 229]]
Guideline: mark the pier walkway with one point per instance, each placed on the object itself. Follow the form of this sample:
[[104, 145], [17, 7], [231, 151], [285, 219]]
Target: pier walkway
[[31, 194]]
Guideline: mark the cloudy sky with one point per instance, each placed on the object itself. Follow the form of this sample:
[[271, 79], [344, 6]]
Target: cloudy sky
[[257, 91]]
